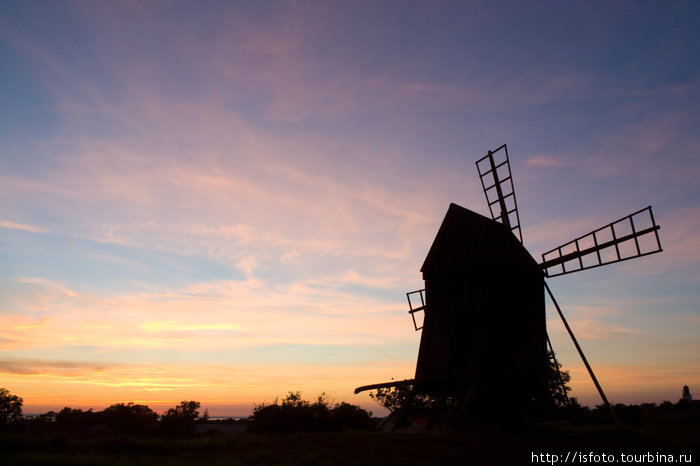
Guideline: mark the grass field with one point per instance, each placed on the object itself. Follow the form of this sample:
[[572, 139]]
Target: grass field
[[677, 434]]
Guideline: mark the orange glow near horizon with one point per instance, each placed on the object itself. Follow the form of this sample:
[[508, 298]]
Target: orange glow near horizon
[[225, 391]]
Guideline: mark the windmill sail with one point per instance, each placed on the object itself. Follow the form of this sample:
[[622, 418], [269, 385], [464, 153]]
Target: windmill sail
[[632, 236], [413, 309], [497, 182]]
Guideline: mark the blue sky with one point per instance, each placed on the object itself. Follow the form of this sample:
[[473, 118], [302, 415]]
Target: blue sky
[[225, 201]]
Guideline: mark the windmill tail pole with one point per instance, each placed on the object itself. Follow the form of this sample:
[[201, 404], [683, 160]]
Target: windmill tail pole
[[583, 358]]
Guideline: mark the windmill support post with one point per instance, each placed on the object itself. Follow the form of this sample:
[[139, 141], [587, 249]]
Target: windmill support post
[[583, 357]]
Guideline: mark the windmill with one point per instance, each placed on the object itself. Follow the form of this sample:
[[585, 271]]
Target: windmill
[[483, 304]]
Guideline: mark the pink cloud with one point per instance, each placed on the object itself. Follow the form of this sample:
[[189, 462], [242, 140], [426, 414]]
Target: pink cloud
[[594, 329], [545, 160], [22, 226]]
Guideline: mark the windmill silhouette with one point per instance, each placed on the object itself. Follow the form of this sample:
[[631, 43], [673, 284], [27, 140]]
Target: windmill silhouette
[[483, 303]]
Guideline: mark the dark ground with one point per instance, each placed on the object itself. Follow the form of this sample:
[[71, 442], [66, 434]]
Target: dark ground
[[674, 433]]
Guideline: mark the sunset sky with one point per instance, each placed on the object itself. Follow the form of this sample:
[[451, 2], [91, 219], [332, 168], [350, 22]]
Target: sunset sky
[[226, 201]]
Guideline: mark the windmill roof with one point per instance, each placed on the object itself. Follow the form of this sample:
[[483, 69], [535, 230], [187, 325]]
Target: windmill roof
[[466, 240]]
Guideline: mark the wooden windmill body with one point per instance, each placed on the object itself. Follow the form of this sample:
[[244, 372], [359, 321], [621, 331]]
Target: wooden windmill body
[[484, 299], [486, 316]]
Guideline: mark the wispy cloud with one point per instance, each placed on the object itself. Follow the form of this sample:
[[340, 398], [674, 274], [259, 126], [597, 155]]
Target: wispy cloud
[[22, 226], [598, 322], [28, 325], [178, 325], [546, 160], [59, 368], [556, 232], [680, 237], [234, 314], [656, 143], [47, 284], [592, 329]]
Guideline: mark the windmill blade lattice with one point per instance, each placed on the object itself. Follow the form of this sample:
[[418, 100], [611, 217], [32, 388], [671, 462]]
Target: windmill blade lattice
[[415, 306], [632, 236], [497, 182]]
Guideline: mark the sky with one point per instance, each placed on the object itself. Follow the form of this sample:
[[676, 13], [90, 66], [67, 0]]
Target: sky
[[227, 201]]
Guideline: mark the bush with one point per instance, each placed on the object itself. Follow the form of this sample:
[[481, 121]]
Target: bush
[[297, 415], [346, 416], [292, 415], [77, 417]]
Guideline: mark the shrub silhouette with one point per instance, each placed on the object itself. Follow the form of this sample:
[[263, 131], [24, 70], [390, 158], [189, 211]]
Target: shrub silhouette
[[297, 415], [346, 416], [135, 419], [77, 417]]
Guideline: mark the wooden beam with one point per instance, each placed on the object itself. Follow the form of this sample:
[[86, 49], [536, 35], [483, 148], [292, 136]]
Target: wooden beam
[[395, 383], [583, 358]]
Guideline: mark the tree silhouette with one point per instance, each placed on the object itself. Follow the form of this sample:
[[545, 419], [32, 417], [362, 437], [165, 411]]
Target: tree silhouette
[[70, 416], [346, 416], [10, 407], [181, 421], [557, 388], [295, 414], [395, 398], [130, 418]]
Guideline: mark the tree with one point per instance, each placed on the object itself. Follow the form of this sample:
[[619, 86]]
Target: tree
[[557, 380], [395, 398], [130, 418], [10, 407], [181, 421]]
